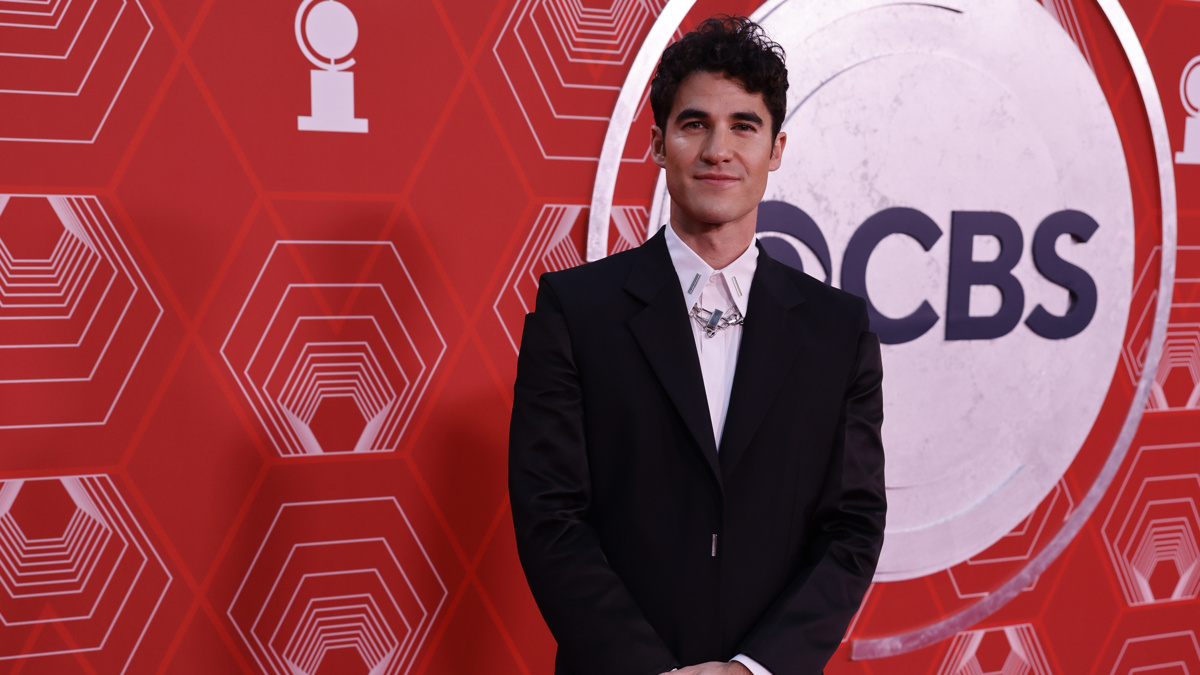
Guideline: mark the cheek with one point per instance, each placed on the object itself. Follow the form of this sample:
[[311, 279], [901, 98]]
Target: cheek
[[675, 186], [679, 147]]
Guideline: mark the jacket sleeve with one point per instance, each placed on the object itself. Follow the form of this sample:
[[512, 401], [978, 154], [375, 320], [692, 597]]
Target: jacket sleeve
[[598, 625], [804, 626]]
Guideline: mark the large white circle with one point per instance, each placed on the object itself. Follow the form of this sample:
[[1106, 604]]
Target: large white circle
[[979, 106], [331, 29]]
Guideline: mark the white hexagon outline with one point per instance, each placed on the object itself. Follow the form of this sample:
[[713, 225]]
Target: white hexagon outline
[[310, 610], [552, 226], [375, 410], [70, 538], [74, 228], [58, 22], [98, 218], [1153, 638], [618, 23], [70, 248], [256, 393], [1181, 350], [267, 537], [82, 503], [87, 76], [1158, 402], [410, 636], [374, 427], [269, 400], [109, 501], [525, 8], [1129, 586], [1060, 492], [1023, 642], [53, 9]]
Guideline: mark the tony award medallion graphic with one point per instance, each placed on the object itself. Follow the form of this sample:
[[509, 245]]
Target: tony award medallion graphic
[[329, 29], [1189, 93]]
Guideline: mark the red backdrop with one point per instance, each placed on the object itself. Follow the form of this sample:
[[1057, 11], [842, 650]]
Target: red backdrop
[[207, 310]]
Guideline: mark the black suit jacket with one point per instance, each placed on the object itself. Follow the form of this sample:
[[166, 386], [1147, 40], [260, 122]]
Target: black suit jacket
[[644, 547]]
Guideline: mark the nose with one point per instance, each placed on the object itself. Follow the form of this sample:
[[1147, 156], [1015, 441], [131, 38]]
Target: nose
[[717, 147]]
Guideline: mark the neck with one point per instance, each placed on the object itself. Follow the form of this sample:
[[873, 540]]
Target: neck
[[717, 245]]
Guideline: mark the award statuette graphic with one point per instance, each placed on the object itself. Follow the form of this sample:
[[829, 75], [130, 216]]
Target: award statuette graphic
[[1189, 93], [330, 29]]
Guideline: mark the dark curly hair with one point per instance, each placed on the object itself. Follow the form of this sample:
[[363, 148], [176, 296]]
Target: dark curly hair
[[734, 46]]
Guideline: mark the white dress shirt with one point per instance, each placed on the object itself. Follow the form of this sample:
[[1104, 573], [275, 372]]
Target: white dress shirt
[[728, 290]]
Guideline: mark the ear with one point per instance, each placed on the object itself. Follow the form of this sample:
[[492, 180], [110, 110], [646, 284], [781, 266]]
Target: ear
[[658, 147], [777, 150]]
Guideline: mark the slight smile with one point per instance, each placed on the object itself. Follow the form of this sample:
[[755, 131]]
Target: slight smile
[[719, 179]]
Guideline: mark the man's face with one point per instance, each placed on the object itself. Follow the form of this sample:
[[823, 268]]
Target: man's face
[[717, 151]]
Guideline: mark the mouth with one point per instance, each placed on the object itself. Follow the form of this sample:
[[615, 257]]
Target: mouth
[[717, 179]]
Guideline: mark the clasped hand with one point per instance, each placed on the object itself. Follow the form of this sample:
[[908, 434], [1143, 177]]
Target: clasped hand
[[713, 668]]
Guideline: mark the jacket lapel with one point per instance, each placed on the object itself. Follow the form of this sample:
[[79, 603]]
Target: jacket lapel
[[771, 339], [662, 331]]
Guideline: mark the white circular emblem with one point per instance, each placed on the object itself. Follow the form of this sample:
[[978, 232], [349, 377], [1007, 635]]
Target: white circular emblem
[[957, 165], [964, 172]]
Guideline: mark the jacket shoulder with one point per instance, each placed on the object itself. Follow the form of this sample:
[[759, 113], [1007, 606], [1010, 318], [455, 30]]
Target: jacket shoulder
[[590, 280], [832, 303]]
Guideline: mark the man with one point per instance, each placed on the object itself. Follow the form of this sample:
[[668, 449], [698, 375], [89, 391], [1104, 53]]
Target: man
[[695, 465]]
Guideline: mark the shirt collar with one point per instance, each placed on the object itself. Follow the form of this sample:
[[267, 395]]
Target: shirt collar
[[738, 274]]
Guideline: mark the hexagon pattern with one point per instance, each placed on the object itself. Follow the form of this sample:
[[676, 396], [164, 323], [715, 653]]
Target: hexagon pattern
[[334, 325], [345, 582], [1177, 381], [325, 346], [77, 573], [1169, 653], [1153, 528], [1180, 362], [979, 575], [63, 63], [75, 309], [1010, 650], [1145, 293], [554, 243], [565, 61]]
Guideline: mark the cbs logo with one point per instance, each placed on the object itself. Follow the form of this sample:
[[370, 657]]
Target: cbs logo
[[782, 226]]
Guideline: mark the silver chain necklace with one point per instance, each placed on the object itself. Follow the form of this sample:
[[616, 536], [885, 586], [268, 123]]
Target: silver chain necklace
[[715, 320]]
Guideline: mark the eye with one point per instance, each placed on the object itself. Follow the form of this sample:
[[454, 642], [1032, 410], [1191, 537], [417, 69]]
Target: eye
[[693, 124]]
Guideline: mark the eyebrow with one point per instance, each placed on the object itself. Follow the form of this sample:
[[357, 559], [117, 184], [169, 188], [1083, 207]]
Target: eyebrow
[[691, 114], [748, 116], [695, 113]]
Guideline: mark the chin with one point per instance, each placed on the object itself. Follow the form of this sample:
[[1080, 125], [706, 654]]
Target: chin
[[713, 216], [713, 213], [718, 218]]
